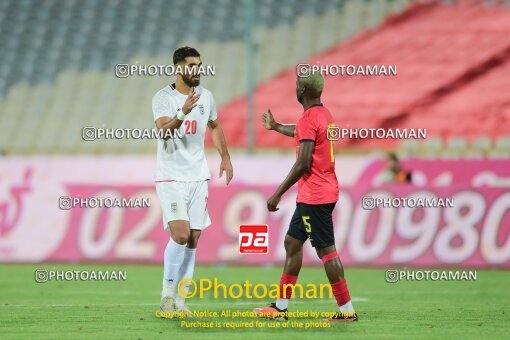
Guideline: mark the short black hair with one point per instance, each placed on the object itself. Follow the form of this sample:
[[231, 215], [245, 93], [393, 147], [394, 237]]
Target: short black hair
[[182, 53]]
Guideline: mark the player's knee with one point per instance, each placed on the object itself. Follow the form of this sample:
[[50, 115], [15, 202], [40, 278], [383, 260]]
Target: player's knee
[[287, 245], [291, 248], [181, 236], [180, 231], [193, 240], [325, 251]]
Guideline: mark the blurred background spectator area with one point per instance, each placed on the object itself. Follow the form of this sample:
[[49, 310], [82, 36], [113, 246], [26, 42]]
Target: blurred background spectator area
[[57, 69]]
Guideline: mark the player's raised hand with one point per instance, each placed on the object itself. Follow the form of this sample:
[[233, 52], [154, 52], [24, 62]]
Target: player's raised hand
[[268, 120], [191, 101], [226, 166]]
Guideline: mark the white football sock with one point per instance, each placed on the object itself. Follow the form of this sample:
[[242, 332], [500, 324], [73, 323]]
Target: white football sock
[[348, 307], [173, 258], [186, 271], [282, 303]]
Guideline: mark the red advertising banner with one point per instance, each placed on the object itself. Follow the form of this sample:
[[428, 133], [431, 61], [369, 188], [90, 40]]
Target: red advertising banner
[[36, 224]]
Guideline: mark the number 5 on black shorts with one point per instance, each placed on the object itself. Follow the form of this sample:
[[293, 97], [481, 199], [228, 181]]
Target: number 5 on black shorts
[[314, 222]]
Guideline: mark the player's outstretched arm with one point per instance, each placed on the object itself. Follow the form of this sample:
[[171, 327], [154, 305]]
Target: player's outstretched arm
[[271, 124], [220, 143], [166, 124], [301, 167]]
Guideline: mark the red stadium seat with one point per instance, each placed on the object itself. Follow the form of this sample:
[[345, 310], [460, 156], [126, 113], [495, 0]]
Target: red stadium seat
[[452, 78]]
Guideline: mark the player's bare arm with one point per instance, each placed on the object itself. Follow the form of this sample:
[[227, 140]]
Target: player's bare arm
[[301, 167], [220, 142], [165, 124], [271, 124]]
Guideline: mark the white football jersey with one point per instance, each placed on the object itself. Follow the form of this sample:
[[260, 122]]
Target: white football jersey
[[181, 157]]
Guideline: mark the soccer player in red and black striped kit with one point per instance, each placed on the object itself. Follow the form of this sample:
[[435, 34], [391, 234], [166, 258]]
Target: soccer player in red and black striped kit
[[314, 171]]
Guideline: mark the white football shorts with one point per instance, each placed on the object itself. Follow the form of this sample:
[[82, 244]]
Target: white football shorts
[[184, 201]]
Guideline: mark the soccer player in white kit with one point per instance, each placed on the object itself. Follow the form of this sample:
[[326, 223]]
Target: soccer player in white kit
[[182, 112]]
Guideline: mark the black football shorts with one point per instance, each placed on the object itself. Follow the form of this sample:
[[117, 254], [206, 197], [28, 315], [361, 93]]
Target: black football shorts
[[314, 222]]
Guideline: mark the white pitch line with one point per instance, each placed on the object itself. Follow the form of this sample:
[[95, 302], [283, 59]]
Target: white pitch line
[[360, 299], [244, 303], [71, 305], [421, 292]]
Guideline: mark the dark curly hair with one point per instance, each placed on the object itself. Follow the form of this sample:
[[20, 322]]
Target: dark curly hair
[[182, 53]]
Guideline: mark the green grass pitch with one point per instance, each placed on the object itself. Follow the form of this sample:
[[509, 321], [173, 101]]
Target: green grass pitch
[[126, 309]]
